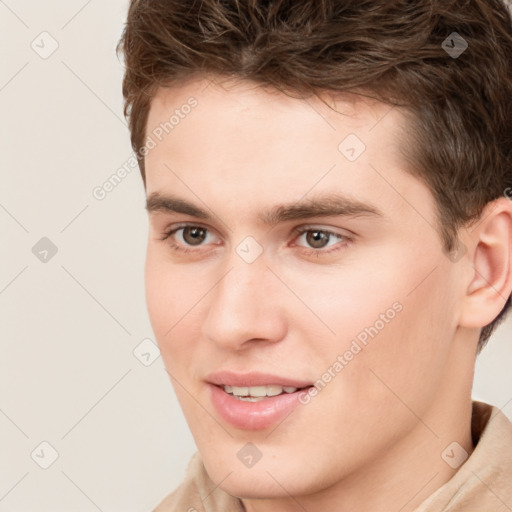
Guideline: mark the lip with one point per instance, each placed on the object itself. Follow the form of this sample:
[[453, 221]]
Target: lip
[[229, 378], [253, 415]]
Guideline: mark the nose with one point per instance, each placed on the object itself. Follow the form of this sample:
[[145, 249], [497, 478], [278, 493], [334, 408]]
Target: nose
[[246, 306]]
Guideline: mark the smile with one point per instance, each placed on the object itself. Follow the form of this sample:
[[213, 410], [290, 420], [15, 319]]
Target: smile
[[257, 393], [248, 412]]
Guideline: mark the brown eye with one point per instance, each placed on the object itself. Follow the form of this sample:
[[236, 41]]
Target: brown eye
[[317, 239], [194, 235]]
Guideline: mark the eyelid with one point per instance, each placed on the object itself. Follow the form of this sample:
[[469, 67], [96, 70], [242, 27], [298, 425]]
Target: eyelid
[[181, 249], [342, 241], [346, 233], [181, 225], [297, 230], [171, 230]]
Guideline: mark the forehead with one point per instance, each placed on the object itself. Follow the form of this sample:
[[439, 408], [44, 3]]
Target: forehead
[[253, 102], [256, 123], [248, 143]]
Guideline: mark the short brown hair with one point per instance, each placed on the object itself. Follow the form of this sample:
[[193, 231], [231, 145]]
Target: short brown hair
[[397, 51]]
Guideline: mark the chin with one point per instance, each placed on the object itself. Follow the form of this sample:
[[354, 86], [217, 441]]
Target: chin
[[251, 488], [261, 483]]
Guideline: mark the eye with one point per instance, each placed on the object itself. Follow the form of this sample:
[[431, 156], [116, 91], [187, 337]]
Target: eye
[[193, 235], [185, 238], [181, 237], [317, 239]]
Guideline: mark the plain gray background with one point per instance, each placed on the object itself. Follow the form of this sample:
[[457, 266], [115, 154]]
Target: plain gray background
[[82, 389]]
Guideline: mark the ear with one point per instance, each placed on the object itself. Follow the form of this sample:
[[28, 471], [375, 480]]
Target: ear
[[490, 277]]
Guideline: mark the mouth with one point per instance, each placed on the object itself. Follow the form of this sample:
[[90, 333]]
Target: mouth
[[254, 401], [258, 393], [254, 380]]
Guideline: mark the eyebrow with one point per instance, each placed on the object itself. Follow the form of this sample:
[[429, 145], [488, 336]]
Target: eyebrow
[[320, 206]]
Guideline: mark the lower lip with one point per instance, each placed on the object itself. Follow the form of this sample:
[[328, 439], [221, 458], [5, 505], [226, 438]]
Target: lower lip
[[253, 415]]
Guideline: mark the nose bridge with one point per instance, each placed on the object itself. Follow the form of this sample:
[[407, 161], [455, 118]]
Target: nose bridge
[[241, 284], [244, 305]]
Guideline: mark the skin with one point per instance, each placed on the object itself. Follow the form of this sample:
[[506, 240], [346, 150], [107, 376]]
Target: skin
[[372, 439]]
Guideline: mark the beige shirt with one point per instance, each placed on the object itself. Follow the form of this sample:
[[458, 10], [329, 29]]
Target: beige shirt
[[482, 484]]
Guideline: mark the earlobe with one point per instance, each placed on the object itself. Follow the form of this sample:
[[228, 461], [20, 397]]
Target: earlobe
[[491, 262]]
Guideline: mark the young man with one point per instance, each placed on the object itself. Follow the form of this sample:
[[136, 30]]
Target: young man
[[328, 186]]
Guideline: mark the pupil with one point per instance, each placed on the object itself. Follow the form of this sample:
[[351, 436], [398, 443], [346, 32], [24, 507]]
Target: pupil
[[194, 236]]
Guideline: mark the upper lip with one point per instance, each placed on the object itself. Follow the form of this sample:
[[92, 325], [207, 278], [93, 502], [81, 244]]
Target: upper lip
[[248, 379]]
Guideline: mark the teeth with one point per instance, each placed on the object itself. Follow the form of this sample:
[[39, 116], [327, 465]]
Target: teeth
[[265, 390], [235, 390], [250, 398], [258, 391]]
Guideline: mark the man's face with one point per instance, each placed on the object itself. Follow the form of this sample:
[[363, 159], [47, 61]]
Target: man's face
[[360, 301]]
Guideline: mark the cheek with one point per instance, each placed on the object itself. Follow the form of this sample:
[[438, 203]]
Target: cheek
[[406, 357], [159, 292], [166, 297], [173, 299], [343, 301], [392, 316]]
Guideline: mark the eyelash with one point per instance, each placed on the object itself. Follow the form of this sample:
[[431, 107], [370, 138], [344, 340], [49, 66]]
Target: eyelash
[[344, 240]]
